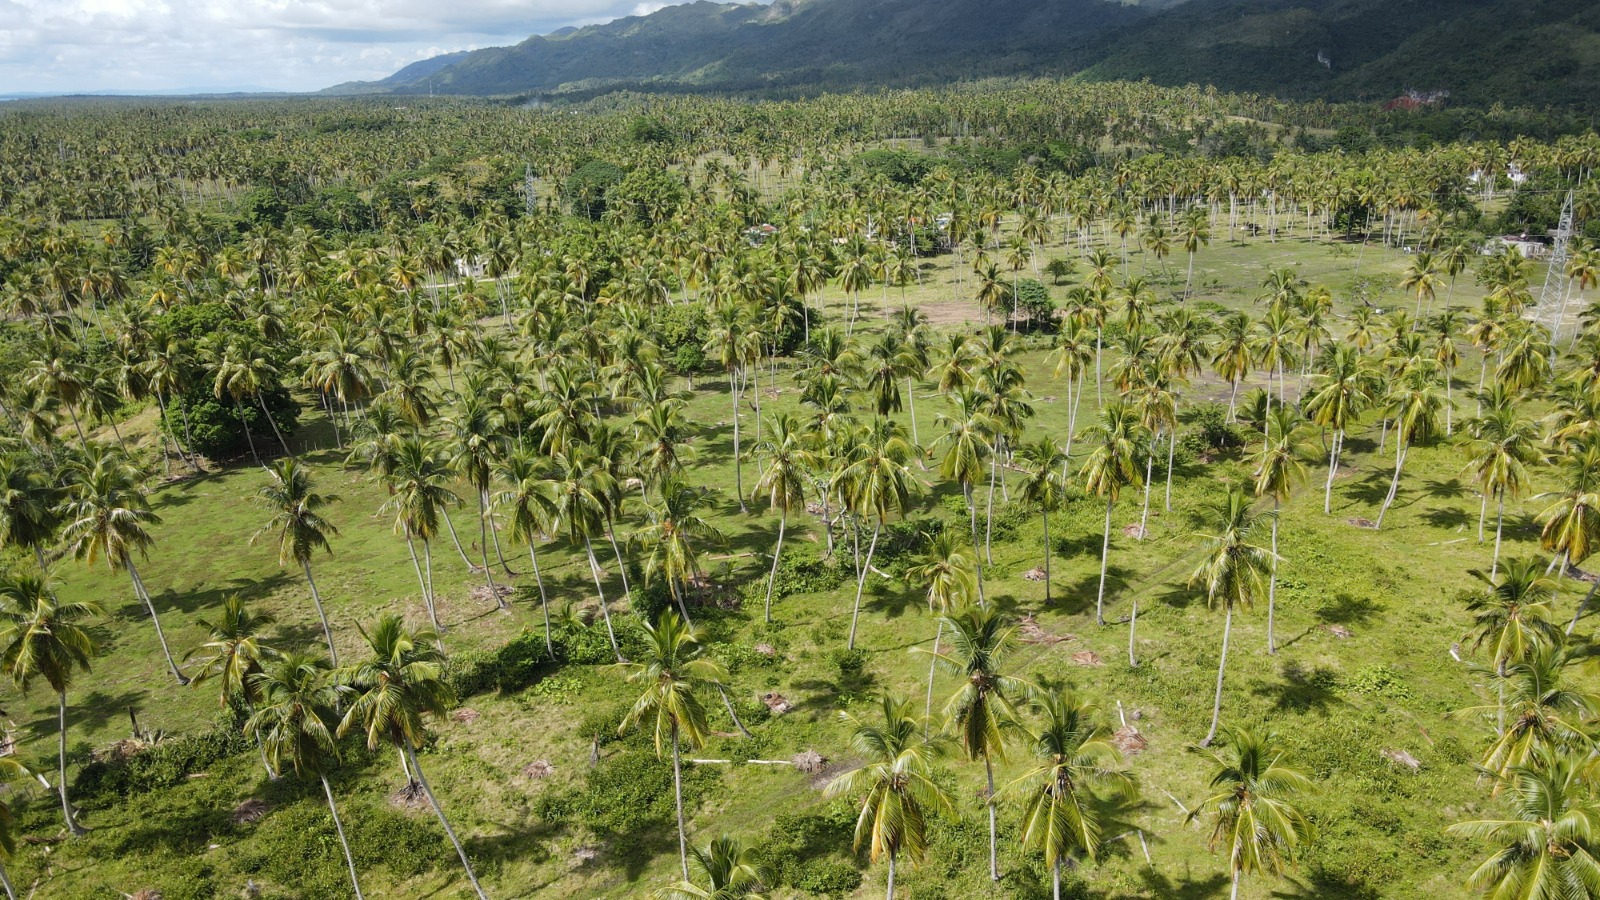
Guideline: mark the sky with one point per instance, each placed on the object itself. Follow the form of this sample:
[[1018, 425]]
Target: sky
[[64, 46]]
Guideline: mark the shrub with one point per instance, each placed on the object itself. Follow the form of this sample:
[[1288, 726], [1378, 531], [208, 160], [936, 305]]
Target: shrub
[[216, 428], [1210, 431], [164, 765], [1033, 300], [629, 791], [803, 851]]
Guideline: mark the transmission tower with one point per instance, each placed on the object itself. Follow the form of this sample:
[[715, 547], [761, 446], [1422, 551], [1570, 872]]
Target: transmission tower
[[1552, 306]]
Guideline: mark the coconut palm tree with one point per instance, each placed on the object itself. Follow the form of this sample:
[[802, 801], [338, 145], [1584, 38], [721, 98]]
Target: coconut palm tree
[[580, 488], [782, 480], [1342, 391], [1044, 487], [418, 497], [1547, 707], [390, 693], [476, 434], [875, 482], [733, 872], [896, 785], [43, 638], [948, 574], [1570, 525], [1503, 446], [29, 514], [1254, 813], [1277, 470], [672, 534], [11, 769], [108, 517], [1546, 848], [298, 526], [1111, 466], [1415, 404], [531, 499], [1231, 574], [672, 675], [233, 656], [294, 722], [1076, 760], [1512, 615], [981, 710]]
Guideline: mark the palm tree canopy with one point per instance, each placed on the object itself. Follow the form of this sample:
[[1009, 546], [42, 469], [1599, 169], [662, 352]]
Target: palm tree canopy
[[399, 682], [1254, 813], [672, 674], [41, 637], [296, 522], [896, 784]]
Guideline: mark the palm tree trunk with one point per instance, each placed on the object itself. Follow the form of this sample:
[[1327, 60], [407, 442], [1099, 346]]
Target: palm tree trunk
[[605, 612], [161, 637], [1055, 879], [1584, 604], [861, 582], [426, 581], [1483, 513], [1234, 894], [732, 713], [544, 602], [5, 882], [1333, 468], [1394, 486], [772, 579], [738, 464], [1105, 554], [1133, 626], [238, 409], [911, 410], [890, 894], [988, 514], [61, 759], [1272, 582], [1046, 556], [677, 795], [454, 539], [1172, 449], [261, 400], [622, 567], [988, 800], [1222, 668], [1149, 470], [338, 826], [483, 549], [416, 771], [494, 535], [316, 600], [933, 666], [1499, 525]]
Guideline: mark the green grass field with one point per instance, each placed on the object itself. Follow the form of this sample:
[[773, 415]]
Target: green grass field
[[1366, 620]]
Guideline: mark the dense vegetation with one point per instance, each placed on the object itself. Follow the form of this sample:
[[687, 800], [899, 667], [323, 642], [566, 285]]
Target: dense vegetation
[[474, 501]]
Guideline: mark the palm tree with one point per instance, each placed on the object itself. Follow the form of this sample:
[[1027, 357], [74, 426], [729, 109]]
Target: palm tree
[[896, 784], [874, 483], [28, 507], [1278, 469], [298, 526], [1254, 813], [1415, 404], [418, 498], [782, 480], [733, 872], [10, 770], [531, 498], [1512, 614], [1111, 467], [1231, 575], [1345, 388], [580, 489], [390, 692], [1075, 759], [1547, 846], [108, 516], [1044, 487], [1570, 526], [41, 637], [672, 675], [1422, 279], [675, 527], [475, 431], [1503, 446], [949, 574], [293, 721], [1547, 706], [965, 444], [981, 709], [233, 657]]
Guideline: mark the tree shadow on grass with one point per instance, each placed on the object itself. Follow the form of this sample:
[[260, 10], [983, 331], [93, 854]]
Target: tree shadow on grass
[[1437, 488], [1372, 489], [1302, 690], [1078, 598], [183, 833], [249, 590], [1188, 886], [1344, 609], [1323, 886], [94, 710], [178, 494], [1450, 517]]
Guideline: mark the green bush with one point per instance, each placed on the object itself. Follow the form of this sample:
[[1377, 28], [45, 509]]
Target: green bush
[[629, 791], [1210, 431], [216, 428], [804, 851], [164, 765]]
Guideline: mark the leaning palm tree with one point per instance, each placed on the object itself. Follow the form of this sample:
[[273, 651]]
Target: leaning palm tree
[[41, 637], [672, 675], [1343, 390], [948, 573], [108, 517], [675, 530], [531, 499], [1503, 447], [1075, 760], [782, 480], [1546, 847], [1415, 405], [896, 785], [298, 527], [389, 694], [1044, 487], [733, 872], [981, 709], [418, 498], [1278, 469], [1570, 526], [293, 722], [580, 486], [875, 482], [1254, 813], [233, 657], [1231, 574], [28, 507], [1112, 466]]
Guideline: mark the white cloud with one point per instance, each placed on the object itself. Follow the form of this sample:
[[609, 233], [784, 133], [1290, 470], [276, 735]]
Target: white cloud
[[82, 45]]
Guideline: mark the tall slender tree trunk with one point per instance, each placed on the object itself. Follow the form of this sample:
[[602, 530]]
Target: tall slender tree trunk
[[416, 771], [1333, 468], [150, 606], [261, 400], [1234, 894], [483, 550], [456, 539], [1499, 526], [738, 464], [1105, 554], [1046, 514], [316, 600], [777, 552], [933, 667], [1149, 470], [1272, 581], [1133, 627], [1172, 449], [988, 513], [333, 810], [1222, 668], [861, 582], [1483, 513], [494, 535], [1583, 605], [238, 409], [544, 601], [605, 612], [911, 413], [890, 894], [5, 882], [1394, 486], [425, 580], [677, 795], [1055, 879], [988, 800], [61, 760]]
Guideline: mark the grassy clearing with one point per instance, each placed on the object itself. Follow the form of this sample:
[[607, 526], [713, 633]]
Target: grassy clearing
[[1340, 702]]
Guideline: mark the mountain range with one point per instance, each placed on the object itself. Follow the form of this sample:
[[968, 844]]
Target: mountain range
[[1521, 52]]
